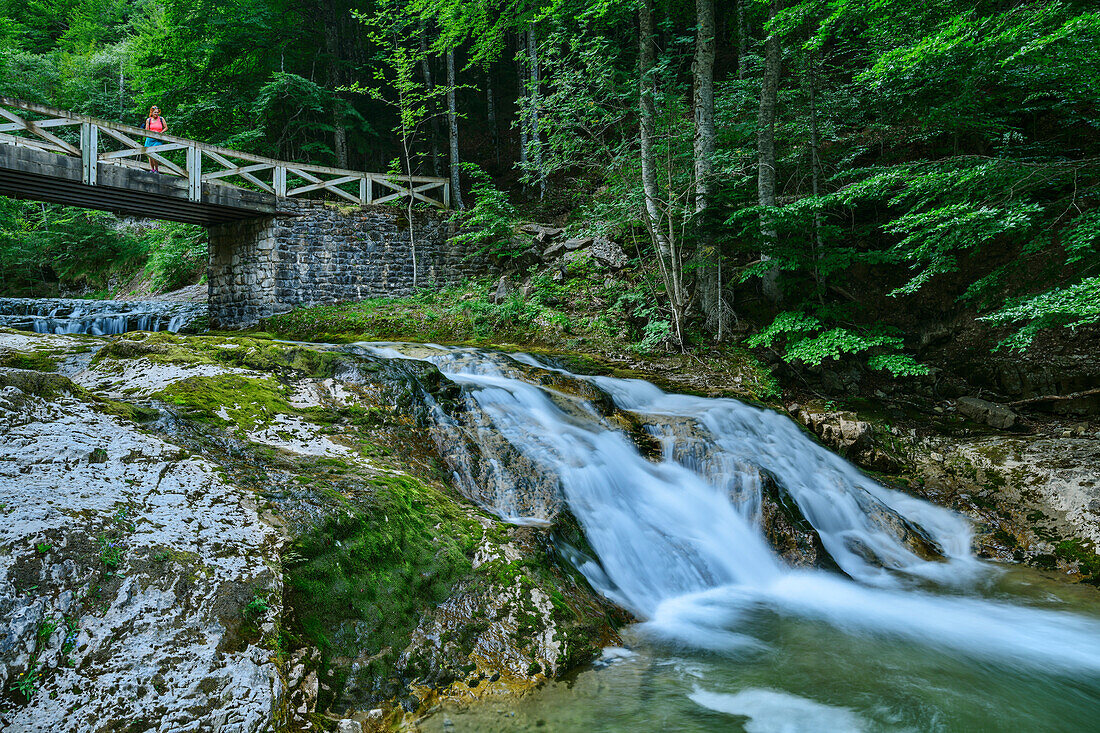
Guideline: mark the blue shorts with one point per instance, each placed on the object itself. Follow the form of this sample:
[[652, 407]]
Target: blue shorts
[[150, 142]]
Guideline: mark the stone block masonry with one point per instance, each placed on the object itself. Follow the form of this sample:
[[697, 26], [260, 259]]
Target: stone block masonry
[[323, 253]]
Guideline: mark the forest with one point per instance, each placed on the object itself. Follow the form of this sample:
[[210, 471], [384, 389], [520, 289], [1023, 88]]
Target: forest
[[749, 381], [827, 175]]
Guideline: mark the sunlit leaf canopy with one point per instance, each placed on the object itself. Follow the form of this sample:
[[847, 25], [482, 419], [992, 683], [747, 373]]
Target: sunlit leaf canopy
[[958, 142]]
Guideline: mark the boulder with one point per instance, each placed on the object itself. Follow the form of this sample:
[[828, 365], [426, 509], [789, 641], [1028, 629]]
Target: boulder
[[577, 243], [787, 529], [855, 435], [546, 234], [541, 232], [554, 251], [525, 260], [990, 413], [501, 293], [609, 253]]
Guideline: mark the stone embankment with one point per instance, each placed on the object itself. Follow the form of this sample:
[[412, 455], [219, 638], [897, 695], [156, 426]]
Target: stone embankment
[[317, 253]]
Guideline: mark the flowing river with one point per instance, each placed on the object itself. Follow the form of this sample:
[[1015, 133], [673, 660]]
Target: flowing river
[[97, 317], [730, 637]]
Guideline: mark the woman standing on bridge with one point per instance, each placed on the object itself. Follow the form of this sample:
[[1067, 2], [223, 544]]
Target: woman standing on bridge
[[154, 123]]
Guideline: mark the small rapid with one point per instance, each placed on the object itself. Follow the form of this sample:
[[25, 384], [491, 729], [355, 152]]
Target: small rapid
[[677, 537], [97, 317], [909, 631]]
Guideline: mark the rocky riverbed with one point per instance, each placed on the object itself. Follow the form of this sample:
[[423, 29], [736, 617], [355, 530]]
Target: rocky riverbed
[[253, 535], [248, 535]]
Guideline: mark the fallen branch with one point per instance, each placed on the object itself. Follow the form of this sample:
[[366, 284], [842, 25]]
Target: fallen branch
[[1054, 398]]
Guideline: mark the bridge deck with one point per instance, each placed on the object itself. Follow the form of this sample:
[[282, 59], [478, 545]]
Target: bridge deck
[[48, 154], [38, 175]]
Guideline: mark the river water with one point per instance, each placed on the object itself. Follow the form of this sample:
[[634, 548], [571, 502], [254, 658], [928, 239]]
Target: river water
[[97, 317], [730, 637]]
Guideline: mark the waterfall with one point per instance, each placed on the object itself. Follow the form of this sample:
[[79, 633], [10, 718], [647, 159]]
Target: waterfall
[[96, 317], [677, 535]]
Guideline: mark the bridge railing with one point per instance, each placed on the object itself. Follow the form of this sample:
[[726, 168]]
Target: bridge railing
[[97, 141]]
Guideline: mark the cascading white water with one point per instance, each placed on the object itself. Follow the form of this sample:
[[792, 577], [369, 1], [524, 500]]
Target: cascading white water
[[97, 317], [676, 537]]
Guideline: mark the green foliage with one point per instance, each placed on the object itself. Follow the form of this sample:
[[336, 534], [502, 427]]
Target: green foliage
[[178, 255], [40, 244], [26, 683], [46, 628], [110, 551], [487, 225], [44, 247], [1071, 307], [257, 607], [807, 340], [1081, 238]]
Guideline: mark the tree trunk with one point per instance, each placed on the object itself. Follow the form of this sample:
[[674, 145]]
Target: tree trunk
[[710, 275], [521, 75], [765, 148], [332, 48], [491, 112], [535, 139], [452, 119], [429, 85], [815, 165], [666, 255], [742, 36]]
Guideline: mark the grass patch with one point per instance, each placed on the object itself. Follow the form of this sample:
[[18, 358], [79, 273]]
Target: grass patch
[[464, 314]]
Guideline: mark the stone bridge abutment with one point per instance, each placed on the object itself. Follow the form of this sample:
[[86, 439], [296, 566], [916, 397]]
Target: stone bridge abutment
[[316, 252]]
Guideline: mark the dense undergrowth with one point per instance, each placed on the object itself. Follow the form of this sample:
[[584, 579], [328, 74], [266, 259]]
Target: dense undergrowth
[[48, 250], [603, 323]]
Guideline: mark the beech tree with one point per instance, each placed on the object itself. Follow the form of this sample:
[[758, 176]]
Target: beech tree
[[710, 276]]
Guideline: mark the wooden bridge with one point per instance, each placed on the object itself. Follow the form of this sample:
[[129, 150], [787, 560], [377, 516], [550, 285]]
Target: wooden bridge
[[52, 155]]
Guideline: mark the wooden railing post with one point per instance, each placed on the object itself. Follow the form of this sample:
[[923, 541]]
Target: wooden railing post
[[89, 152], [447, 195], [278, 181], [363, 191], [194, 174]]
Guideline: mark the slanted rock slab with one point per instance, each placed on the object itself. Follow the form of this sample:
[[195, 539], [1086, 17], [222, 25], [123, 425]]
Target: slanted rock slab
[[990, 413]]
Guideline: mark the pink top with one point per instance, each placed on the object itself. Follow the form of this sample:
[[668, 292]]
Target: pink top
[[155, 124]]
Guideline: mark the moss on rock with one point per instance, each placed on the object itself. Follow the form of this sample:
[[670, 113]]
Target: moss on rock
[[246, 402], [360, 581]]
